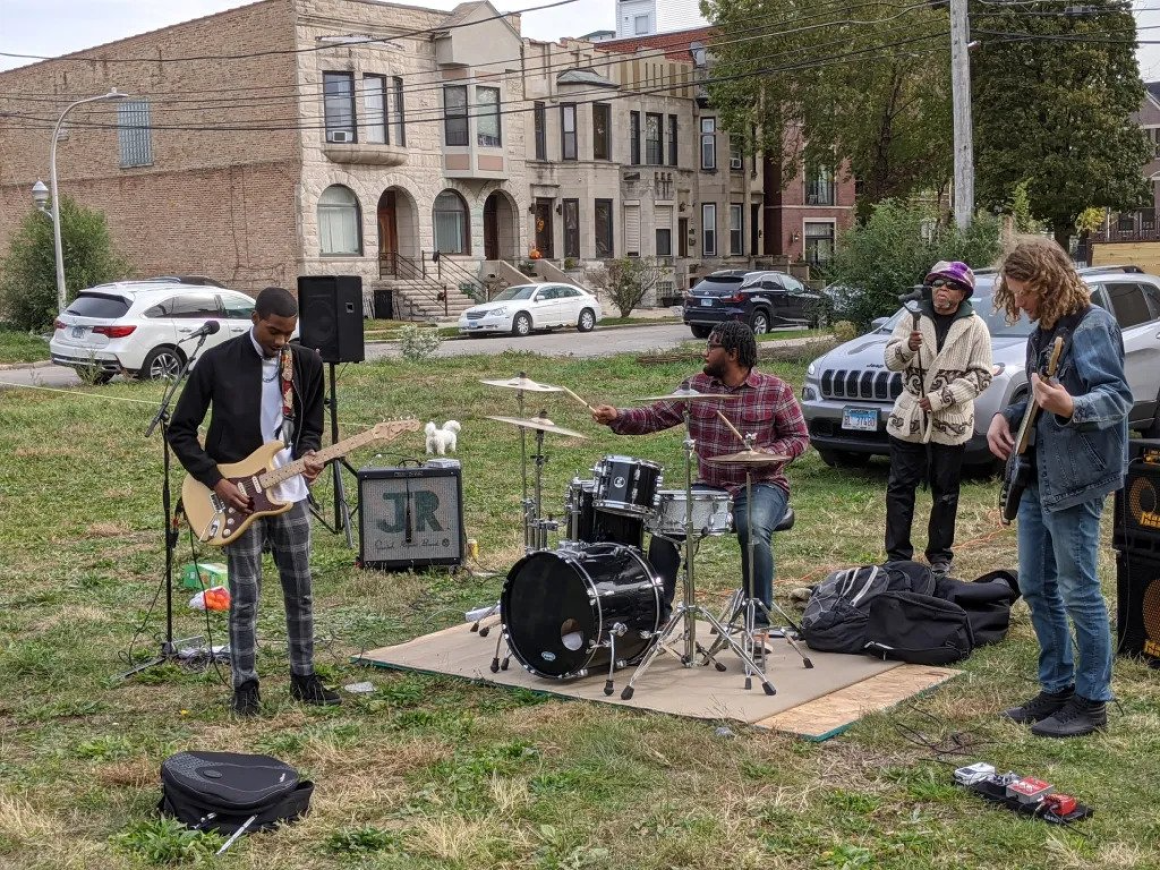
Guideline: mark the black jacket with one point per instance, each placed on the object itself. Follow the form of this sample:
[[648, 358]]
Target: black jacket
[[230, 377]]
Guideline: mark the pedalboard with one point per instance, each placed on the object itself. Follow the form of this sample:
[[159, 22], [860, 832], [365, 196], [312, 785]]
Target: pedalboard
[[1022, 794]]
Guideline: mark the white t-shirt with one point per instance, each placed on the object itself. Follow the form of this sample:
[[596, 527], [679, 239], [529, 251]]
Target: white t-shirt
[[294, 489]]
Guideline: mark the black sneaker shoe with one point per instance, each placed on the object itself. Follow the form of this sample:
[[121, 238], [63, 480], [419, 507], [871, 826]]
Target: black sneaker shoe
[[1077, 717], [942, 569], [309, 690], [247, 702], [1040, 707]]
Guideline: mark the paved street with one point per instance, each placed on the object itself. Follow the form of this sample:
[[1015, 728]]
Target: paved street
[[600, 342]]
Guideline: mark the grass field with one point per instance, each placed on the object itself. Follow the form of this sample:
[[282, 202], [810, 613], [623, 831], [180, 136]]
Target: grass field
[[17, 346], [435, 773]]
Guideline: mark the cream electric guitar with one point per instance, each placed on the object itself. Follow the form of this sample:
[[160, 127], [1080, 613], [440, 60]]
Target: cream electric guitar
[[215, 523]]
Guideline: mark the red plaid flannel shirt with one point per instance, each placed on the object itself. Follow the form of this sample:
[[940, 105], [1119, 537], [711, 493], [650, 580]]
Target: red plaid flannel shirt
[[767, 408]]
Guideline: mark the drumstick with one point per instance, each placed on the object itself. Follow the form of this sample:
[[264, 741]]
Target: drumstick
[[731, 426], [578, 399]]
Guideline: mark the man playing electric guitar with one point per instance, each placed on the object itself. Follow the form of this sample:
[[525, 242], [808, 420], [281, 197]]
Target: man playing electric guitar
[[1080, 458], [261, 388]]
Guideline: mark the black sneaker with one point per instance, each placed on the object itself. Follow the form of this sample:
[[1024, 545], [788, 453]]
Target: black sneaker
[[247, 702], [1040, 707], [942, 568], [309, 690], [1077, 717]]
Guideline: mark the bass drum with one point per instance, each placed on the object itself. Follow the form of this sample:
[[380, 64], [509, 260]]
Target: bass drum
[[560, 609]]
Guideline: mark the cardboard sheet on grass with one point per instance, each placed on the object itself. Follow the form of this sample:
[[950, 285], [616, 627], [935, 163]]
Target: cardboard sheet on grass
[[815, 703]]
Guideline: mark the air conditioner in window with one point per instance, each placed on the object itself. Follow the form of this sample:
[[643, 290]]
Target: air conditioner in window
[[735, 163], [339, 136]]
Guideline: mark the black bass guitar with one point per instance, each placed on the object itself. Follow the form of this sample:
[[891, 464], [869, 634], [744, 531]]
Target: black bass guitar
[[1021, 464]]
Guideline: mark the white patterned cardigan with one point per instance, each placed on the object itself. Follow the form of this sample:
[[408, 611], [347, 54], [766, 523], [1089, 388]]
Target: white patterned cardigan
[[951, 379]]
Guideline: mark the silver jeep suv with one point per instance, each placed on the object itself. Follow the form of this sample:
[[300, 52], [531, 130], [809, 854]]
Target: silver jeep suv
[[848, 393]]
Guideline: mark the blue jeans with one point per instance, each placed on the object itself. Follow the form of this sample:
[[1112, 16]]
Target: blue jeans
[[1057, 576], [769, 502]]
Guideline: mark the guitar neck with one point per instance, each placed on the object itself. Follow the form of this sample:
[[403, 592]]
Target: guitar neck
[[1033, 408], [334, 451]]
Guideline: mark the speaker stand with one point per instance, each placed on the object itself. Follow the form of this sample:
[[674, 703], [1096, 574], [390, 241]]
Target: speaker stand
[[342, 510]]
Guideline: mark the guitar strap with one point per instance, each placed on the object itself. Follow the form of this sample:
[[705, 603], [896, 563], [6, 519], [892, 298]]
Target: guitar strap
[[287, 367], [1064, 327]]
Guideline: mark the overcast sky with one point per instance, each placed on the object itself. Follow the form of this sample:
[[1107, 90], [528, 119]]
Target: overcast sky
[[52, 27]]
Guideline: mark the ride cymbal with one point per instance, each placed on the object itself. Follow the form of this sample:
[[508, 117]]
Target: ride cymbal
[[521, 382], [750, 457], [688, 396], [543, 424]]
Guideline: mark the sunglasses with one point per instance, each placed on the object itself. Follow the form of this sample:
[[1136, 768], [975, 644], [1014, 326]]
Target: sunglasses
[[942, 282]]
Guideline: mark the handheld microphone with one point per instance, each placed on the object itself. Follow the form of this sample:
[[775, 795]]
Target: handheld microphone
[[914, 295], [207, 328]]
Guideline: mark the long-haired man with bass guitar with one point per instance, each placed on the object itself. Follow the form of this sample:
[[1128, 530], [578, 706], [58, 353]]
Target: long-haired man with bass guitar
[[1080, 457], [261, 388]]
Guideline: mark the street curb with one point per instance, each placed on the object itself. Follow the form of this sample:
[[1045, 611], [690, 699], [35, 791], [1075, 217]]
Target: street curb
[[39, 364]]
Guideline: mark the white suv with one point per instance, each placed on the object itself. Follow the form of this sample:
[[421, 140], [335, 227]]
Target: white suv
[[138, 327]]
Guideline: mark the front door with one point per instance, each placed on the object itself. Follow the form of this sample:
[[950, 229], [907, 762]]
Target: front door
[[491, 228], [683, 237], [544, 230], [388, 234]]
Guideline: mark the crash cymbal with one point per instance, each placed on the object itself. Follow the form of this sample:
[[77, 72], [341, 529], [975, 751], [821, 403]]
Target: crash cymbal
[[750, 457], [541, 423], [522, 382], [689, 396]]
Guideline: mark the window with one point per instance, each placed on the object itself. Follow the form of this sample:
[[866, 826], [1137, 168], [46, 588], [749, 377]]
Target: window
[[375, 109], [452, 231], [455, 124], [819, 186], [709, 229], [1147, 219], [339, 223], [640, 25], [603, 213], [568, 131], [134, 133], [601, 131], [338, 105], [1128, 304], [572, 228], [736, 230], [399, 119], [237, 307], [1126, 222], [487, 126], [194, 306], [708, 143], [672, 140], [654, 146], [539, 115], [664, 241], [736, 158], [634, 138], [1153, 293], [819, 242], [632, 230]]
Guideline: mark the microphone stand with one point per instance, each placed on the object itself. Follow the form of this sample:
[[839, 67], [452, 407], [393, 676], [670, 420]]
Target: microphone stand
[[169, 649]]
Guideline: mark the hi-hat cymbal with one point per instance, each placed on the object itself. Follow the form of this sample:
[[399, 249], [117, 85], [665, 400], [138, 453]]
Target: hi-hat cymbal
[[750, 457], [689, 396], [523, 383], [541, 423]]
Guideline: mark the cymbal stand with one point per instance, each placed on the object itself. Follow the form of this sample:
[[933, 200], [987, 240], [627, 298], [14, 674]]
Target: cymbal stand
[[685, 615], [748, 606]]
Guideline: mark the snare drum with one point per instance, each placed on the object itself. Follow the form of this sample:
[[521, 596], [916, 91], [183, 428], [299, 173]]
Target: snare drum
[[626, 486], [587, 525], [712, 513]]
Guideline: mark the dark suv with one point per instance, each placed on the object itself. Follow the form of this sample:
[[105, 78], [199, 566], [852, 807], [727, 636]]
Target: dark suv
[[761, 299]]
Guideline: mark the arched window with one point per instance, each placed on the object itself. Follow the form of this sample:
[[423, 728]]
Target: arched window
[[452, 226], [339, 222]]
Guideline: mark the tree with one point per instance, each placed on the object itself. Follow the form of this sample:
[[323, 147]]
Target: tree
[[625, 282], [28, 272], [894, 250], [1053, 95], [847, 83]]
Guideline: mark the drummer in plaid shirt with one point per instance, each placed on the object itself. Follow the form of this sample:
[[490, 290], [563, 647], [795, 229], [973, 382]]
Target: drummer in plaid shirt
[[767, 408]]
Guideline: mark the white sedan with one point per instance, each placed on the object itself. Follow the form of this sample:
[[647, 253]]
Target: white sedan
[[526, 307]]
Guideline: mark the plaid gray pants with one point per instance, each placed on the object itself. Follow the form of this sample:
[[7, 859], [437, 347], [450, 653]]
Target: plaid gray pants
[[289, 537]]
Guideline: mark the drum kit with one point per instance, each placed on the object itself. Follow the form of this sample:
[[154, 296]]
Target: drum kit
[[595, 603]]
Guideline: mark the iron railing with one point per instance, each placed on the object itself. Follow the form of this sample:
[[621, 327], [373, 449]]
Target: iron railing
[[451, 272]]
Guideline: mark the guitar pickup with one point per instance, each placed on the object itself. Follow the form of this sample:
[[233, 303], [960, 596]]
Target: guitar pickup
[[218, 504]]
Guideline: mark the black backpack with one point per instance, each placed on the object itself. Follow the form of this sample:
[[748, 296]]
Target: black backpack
[[920, 629], [987, 601], [221, 791]]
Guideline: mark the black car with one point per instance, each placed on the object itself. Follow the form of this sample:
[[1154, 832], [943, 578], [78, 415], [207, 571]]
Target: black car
[[761, 299]]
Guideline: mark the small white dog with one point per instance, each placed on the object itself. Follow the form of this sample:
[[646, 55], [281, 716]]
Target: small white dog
[[442, 440]]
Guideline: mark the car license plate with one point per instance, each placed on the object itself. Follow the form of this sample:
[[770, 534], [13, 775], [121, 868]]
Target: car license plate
[[474, 325], [860, 419], [78, 332], [706, 303]]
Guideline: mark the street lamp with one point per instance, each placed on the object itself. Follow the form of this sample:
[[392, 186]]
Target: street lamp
[[38, 191]]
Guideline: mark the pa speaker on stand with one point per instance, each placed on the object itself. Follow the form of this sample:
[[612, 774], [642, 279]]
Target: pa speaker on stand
[[1136, 536]]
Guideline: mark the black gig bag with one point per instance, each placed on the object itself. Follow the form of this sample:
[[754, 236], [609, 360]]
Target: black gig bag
[[221, 791], [919, 629]]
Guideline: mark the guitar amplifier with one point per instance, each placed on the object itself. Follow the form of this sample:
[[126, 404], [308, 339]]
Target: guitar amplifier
[[1138, 607], [411, 516], [1136, 530]]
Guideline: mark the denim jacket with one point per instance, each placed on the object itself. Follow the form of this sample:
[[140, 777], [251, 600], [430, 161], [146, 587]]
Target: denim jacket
[[1084, 457]]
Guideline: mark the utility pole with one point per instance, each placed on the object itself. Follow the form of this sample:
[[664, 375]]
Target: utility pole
[[961, 103]]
